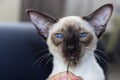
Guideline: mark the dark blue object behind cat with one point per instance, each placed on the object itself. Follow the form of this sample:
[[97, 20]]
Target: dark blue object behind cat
[[18, 45]]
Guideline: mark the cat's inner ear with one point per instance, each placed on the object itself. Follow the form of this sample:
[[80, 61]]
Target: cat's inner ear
[[42, 22], [100, 18]]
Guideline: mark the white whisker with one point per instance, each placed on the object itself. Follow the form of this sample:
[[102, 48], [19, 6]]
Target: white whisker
[[42, 58], [41, 51], [98, 57], [103, 60], [48, 61]]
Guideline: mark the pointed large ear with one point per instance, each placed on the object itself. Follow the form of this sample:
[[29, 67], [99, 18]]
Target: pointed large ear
[[42, 22], [100, 18]]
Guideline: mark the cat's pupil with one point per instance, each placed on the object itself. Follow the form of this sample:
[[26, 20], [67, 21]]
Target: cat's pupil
[[59, 35], [82, 35]]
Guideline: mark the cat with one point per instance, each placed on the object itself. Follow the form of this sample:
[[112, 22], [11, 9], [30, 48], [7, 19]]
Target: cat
[[73, 38]]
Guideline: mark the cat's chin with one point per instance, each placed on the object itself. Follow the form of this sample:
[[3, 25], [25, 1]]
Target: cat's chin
[[72, 61]]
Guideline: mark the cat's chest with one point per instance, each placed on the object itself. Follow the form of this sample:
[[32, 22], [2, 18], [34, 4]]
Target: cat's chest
[[88, 69]]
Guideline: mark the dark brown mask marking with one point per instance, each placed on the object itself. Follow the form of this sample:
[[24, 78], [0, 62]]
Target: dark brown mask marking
[[71, 44]]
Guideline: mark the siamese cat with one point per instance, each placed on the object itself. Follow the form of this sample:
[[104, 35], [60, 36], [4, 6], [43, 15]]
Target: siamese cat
[[74, 38]]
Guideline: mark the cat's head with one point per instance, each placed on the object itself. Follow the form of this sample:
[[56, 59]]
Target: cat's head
[[67, 37]]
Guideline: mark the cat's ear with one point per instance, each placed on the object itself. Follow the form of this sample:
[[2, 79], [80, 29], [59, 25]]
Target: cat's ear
[[42, 22], [100, 18]]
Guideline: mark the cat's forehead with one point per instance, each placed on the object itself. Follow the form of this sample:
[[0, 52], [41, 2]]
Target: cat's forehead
[[73, 22]]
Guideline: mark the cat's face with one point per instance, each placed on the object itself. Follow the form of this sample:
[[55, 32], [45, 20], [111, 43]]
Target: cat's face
[[69, 36]]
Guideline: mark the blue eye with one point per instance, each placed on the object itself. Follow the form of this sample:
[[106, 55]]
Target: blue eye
[[82, 35], [59, 35]]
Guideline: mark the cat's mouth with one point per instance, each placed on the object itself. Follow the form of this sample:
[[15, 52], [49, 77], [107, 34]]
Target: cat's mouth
[[72, 56], [73, 60]]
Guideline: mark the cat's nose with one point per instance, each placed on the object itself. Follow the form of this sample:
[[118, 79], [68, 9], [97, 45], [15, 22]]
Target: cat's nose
[[71, 48]]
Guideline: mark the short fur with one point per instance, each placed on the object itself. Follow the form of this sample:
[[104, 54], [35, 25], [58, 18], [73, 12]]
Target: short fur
[[71, 45]]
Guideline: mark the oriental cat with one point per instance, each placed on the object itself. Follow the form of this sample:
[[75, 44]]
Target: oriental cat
[[74, 38]]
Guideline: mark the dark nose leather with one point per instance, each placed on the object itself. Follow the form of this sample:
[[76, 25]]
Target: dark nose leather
[[71, 48]]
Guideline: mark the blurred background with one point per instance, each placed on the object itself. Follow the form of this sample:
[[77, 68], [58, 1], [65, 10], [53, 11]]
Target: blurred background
[[15, 12]]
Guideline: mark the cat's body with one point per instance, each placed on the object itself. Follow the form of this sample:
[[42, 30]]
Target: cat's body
[[74, 38]]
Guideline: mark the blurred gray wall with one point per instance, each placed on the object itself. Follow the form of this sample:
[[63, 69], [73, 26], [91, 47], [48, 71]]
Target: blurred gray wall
[[52, 7], [84, 7]]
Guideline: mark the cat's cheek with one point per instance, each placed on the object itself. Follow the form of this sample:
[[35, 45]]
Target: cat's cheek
[[54, 50], [93, 43]]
